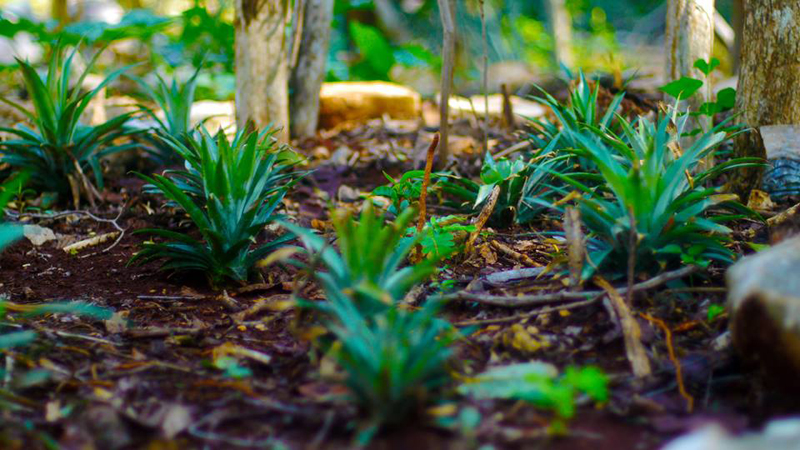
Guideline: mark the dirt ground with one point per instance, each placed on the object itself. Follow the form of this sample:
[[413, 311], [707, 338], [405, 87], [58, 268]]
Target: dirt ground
[[144, 378]]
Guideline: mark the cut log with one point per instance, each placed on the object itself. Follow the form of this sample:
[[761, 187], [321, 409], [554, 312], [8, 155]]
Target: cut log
[[360, 101]]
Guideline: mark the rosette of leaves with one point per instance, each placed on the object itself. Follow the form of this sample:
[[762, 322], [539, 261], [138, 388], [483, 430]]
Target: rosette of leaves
[[175, 100], [581, 110], [59, 151], [194, 148], [647, 192], [228, 196], [394, 362], [509, 175], [368, 266]]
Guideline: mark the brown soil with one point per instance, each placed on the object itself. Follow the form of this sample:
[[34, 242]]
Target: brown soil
[[122, 382]]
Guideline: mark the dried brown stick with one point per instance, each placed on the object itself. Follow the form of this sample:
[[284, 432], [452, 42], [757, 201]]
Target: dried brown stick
[[508, 109], [634, 349], [511, 253], [483, 217], [426, 181], [784, 216], [527, 315], [528, 300]]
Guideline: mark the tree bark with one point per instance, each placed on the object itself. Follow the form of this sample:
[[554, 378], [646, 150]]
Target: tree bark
[[58, 10], [769, 78], [737, 22], [446, 11], [689, 37], [262, 70], [561, 24], [307, 76]]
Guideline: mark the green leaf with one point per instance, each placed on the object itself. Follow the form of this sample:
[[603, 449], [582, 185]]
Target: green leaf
[[715, 311], [726, 99], [683, 88], [706, 67]]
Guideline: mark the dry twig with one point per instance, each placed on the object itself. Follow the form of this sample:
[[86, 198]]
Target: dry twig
[[561, 296], [527, 315], [483, 217], [508, 251], [634, 349], [423, 194]]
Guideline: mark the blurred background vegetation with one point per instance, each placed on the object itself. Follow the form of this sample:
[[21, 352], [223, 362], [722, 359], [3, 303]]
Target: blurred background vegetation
[[398, 40]]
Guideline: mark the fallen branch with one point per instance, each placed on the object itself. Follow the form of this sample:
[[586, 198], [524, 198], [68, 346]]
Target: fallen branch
[[527, 315], [634, 349], [90, 242], [513, 254], [155, 332], [784, 216], [528, 300]]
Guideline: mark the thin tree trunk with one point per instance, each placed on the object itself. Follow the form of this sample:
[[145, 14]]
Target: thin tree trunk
[[307, 76], [690, 36], [737, 22], [769, 78], [58, 10], [262, 70], [391, 20], [446, 11], [561, 24]]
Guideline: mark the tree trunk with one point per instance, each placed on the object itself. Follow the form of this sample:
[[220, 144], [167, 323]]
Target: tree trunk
[[262, 71], [689, 37], [309, 73], [392, 21], [769, 78], [561, 24], [737, 22], [58, 10], [446, 11]]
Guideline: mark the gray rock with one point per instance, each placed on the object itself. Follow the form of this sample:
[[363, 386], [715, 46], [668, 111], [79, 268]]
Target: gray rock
[[781, 434], [764, 304], [38, 235]]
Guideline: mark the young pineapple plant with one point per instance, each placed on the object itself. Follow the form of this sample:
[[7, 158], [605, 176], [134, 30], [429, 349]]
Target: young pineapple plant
[[394, 363], [509, 175], [648, 202], [582, 111], [367, 267], [393, 359], [230, 191], [175, 100], [60, 152], [192, 148]]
